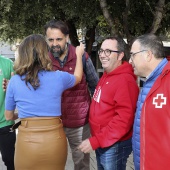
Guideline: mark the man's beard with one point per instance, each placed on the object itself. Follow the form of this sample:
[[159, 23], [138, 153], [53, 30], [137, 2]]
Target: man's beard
[[57, 53]]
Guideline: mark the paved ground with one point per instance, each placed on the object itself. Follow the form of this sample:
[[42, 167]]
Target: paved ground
[[2, 166], [69, 164]]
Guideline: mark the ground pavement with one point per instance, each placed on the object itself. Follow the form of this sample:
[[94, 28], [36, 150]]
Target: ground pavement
[[69, 164]]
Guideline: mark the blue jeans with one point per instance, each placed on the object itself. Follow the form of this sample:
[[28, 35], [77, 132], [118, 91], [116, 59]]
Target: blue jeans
[[115, 156]]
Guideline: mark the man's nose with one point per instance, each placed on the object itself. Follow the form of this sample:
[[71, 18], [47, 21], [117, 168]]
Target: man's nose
[[130, 60], [55, 43]]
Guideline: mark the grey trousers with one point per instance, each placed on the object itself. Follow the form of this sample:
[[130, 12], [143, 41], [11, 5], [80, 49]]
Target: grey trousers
[[75, 136]]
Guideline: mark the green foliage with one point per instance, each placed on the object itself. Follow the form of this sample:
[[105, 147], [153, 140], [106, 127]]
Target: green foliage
[[143, 18], [165, 27], [140, 16], [102, 27], [19, 18], [23, 17]]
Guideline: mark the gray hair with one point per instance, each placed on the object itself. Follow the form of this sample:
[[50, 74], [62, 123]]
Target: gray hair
[[153, 43]]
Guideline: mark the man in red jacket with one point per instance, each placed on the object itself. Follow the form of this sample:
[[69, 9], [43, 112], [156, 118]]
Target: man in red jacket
[[75, 101], [149, 62], [112, 109]]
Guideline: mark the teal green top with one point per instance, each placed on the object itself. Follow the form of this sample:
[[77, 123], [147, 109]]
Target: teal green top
[[6, 68]]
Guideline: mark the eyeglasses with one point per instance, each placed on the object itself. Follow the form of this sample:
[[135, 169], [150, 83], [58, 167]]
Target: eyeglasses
[[133, 54], [107, 52]]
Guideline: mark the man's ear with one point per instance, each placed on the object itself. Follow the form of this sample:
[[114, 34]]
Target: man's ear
[[120, 56], [67, 39], [149, 56]]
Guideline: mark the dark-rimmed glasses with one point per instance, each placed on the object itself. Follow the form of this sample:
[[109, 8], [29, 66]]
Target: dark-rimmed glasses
[[133, 54], [107, 52]]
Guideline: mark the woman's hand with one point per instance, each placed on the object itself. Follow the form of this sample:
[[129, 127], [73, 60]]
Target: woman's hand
[[80, 50], [78, 72]]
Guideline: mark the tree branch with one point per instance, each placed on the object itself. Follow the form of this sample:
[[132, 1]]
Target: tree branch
[[109, 19], [159, 9], [125, 21]]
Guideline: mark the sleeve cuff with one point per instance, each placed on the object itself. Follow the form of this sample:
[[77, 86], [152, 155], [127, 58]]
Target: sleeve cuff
[[94, 142]]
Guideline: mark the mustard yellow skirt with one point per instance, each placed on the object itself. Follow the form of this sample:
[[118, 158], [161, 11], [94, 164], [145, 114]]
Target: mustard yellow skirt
[[41, 144]]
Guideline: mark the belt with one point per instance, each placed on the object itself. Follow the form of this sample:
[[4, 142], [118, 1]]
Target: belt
[[40, 121]]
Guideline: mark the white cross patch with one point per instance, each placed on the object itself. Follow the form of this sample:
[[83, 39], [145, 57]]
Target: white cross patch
[[159, 101]]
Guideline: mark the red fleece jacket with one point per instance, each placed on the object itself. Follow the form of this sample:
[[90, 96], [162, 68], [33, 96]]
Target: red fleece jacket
[[113, 107]]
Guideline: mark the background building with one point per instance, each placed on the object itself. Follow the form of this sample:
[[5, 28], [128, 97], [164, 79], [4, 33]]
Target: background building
[[6, 50]]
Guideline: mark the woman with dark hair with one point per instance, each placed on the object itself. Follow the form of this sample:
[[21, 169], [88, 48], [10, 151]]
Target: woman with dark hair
[[36, 92]]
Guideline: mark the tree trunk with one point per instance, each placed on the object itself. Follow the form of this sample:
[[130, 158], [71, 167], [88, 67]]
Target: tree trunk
[[72, 33], [108, 17], [159, 9], [125, 22], [90, 39]]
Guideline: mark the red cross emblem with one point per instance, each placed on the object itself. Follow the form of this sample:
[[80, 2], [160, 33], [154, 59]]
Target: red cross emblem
[[159, 101]]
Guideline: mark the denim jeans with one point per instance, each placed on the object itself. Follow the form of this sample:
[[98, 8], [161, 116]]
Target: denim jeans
[[115, 156]]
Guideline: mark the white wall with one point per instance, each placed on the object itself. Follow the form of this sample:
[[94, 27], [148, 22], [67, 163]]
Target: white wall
[[5, 50], [166, 43]]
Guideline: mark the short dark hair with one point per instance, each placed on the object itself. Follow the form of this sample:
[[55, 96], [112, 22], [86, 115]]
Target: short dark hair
[[62, 26], [153, 43], [121, 46]]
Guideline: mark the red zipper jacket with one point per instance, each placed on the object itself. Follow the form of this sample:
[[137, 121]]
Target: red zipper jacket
[[155, 125]]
